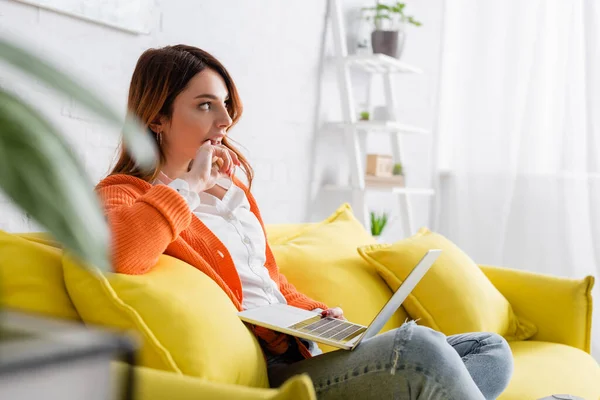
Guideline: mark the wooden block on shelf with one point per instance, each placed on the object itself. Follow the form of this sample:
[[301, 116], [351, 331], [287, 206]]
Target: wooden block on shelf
[[393, 180], [379, 165]]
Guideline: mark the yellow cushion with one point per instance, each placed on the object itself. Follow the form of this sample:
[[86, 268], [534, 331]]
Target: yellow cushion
[[152, 384], [454, 296], [40, 237], [31, 278], [186, 322], [322, 262], [543, 368], [278, 232], [560, 308]]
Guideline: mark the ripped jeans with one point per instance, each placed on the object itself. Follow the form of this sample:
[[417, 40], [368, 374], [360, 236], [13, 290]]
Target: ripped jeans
[[410, 362]]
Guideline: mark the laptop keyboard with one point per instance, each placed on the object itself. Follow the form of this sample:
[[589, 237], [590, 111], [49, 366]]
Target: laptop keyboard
[[329, 328]]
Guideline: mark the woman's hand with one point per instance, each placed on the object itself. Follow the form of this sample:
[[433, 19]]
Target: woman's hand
[[335, 312], [211, 163]]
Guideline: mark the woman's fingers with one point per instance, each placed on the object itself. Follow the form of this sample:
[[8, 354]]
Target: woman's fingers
[[335, 312], [229, 163], [221, 160], [229, 157], [224, 160], [217, 162]]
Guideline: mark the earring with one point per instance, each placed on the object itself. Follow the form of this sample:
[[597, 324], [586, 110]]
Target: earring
[[159, 138]]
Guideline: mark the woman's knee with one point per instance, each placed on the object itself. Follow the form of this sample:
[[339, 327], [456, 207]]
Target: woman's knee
[[426, 347], [500, 359], [436, 363]]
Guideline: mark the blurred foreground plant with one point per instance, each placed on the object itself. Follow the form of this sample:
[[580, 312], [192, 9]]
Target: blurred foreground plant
[[39, 172]]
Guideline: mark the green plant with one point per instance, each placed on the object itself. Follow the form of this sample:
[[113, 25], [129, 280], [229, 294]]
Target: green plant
[[365, 115], [398, 169], [378, 222], [393, 13], [38, 170]]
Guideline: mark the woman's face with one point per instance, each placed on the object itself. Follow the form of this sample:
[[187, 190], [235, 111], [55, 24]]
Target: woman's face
[[199, 114]]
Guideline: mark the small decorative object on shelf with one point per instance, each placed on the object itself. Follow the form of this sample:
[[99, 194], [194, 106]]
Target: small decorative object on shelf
[[379, 165], [382, 172], [378, 222], [398, 169], [365, 116], [389, 34], [380, 113]]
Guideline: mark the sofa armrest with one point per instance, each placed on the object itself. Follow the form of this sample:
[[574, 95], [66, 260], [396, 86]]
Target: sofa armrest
[[561, 308], [154, 384]]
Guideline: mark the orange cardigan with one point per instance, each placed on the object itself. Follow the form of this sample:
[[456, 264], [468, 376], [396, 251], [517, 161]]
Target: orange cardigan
[[147, 221]]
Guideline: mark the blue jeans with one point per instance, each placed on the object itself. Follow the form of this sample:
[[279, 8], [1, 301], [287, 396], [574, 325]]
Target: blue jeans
[[410, 362]]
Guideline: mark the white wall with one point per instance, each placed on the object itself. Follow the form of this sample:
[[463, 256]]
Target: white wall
[[271, 48]]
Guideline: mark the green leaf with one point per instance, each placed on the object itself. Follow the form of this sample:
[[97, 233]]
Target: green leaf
[[413, 21], [383, 7], [40, 175], [142, 148], [399, 7]]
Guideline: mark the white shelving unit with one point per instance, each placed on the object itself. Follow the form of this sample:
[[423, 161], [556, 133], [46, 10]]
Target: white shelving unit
[[377, 126], [379, 64], [354, 132]]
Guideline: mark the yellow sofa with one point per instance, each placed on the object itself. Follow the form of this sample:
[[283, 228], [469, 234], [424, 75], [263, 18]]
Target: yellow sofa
[[555, 360]]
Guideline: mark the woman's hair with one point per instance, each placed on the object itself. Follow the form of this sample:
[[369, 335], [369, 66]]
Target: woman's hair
[[159, 76]]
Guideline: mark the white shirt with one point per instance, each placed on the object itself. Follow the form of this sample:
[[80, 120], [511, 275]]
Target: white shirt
[[231, 220]]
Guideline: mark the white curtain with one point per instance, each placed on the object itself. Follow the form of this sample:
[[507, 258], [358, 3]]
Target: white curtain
[[519, 135]]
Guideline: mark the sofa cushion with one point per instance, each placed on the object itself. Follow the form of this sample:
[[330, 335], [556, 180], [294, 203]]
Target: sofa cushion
[[454, 296], [560, 308], [321, 261], [152, 384], [186, 323], [31, 278], [543, 369], [278, 232], [41, 237]]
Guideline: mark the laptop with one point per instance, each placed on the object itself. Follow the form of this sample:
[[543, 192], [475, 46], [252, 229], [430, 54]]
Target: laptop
[[345, 335]]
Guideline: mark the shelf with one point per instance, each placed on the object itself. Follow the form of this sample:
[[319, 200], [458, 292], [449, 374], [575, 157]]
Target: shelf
[[386, 181], [380, 63], [379, 126], [384, 188]]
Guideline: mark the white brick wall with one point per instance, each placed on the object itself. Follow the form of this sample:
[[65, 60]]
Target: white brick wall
[[271, 48]]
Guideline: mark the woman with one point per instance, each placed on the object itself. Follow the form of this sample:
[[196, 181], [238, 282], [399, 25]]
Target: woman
[[194, 208]]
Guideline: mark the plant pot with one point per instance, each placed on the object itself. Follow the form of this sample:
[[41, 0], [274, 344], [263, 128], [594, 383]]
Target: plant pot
[[390, 43]]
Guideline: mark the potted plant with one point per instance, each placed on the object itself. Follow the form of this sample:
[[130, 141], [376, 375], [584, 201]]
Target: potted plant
[[398, 169], [398, 174], [42, 177], [389, 34], [40, 173], [378, 222], [365, 116]]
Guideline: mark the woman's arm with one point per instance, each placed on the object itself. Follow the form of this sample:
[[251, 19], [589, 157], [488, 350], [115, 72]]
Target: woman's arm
[[142, 226]]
